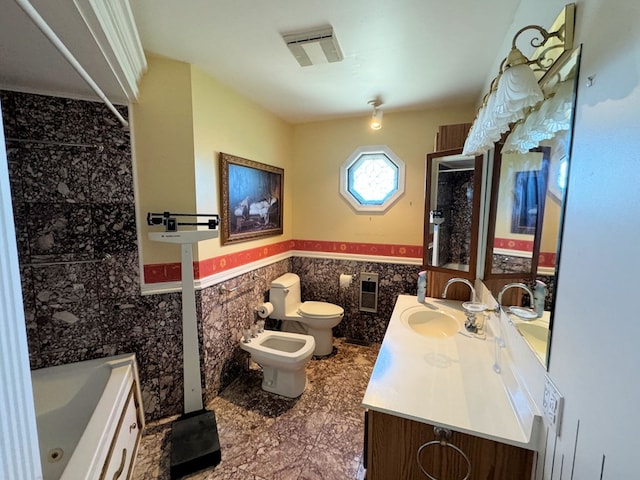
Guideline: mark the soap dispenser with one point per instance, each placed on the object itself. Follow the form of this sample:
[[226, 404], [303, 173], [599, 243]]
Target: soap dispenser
[[539, 296], [422, 286]]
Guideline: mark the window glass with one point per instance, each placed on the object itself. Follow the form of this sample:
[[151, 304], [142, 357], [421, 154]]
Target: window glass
[[372, 178]]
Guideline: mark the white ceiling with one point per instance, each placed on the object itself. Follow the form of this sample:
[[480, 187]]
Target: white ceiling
[[411, 53]]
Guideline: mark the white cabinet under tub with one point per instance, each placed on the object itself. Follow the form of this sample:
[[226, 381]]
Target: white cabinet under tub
[[120, 459], [90, 418]]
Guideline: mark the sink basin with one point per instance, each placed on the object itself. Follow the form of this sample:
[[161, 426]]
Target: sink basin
[[535, 333], [430, 323]]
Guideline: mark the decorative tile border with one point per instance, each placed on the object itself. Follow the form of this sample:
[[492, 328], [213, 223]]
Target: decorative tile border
[[513, 244], [371, 249], [546, 259], [170, 272]]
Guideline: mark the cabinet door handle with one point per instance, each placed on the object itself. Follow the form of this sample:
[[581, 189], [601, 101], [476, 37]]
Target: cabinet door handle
[[116, 475]]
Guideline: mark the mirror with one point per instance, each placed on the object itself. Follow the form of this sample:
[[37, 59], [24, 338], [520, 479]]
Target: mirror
[[530, 173], [452, 212], [517, 210]]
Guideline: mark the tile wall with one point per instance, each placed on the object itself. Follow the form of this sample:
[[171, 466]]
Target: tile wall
[[319, 279], [511, 264], [455, 199], [72, 190]]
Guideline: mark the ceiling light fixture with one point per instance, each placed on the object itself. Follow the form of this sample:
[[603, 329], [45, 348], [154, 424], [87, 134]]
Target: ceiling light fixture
[[375, 123], [314, 46], [516, 91]]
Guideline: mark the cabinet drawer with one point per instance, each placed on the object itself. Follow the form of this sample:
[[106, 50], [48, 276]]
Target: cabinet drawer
[[119, 463]]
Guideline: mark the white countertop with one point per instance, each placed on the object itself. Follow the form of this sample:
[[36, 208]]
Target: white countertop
[[447, 382]]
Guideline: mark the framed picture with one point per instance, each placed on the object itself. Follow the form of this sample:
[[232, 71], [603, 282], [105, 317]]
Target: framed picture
[[250, 199], [530, 188]]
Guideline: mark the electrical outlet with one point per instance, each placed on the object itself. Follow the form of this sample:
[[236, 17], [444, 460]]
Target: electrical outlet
[[552, 404]]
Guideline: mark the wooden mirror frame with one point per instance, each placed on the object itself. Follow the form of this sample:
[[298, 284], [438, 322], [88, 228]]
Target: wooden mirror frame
[[495, 281], [438, 276]]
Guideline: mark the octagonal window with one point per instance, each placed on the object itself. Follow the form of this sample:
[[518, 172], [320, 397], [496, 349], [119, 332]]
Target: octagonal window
[[372, 178]]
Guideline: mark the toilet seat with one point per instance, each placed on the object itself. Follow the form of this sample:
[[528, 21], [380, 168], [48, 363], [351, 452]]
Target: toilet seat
[[320, 310]]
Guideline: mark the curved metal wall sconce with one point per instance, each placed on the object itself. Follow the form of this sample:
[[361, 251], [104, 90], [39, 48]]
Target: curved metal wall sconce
[[516, 89]]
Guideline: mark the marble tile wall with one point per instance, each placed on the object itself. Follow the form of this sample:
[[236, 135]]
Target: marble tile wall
[[72, 191], [510, 264], [319, 279], [455, 199]]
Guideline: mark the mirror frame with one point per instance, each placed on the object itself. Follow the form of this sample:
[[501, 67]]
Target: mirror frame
[[492, 220], [478, 194]]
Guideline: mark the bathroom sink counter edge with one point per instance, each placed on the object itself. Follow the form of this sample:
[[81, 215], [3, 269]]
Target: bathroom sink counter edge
[[448, 382]]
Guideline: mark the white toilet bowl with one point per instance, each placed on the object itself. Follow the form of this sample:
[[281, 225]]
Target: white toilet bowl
[[313, 318], [283, 357]]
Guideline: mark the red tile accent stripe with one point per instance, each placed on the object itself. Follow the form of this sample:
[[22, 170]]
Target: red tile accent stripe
[[547, 259], [384, 250], [170, 272], [511, 244]]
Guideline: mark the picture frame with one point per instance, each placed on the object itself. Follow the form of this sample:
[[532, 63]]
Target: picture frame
[[251, 199]]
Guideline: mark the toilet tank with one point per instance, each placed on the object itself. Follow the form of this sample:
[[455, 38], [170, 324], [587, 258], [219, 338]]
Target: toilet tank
[[284, 295]]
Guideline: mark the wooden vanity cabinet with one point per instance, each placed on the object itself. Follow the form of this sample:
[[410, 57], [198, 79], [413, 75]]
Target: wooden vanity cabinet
[[393, 442]]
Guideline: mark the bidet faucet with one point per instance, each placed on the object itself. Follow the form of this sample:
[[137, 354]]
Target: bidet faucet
[[460, 280], [514, 285]]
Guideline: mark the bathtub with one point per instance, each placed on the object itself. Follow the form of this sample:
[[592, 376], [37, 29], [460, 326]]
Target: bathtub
[[89, 418]]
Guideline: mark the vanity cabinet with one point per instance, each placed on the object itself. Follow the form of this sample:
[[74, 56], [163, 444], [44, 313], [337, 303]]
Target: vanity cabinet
[[393, 443], [124, 445]]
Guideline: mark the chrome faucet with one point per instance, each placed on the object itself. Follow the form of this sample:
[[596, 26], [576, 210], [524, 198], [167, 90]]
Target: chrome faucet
[[469, 312], [461, 280], [514, 285]]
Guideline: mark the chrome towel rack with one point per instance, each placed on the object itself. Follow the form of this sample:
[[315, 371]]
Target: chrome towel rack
[[443, 436]]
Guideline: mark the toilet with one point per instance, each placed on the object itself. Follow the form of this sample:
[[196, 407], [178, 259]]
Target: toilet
[[312, 318], [283, 357]]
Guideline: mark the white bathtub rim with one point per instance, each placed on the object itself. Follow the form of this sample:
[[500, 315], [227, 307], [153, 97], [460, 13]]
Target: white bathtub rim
[[93, 446], [87, 457]]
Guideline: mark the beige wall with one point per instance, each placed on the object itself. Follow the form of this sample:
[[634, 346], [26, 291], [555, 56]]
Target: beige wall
[[550, 225], [224, 121], [183, 119], [162, 138], [320, 148]]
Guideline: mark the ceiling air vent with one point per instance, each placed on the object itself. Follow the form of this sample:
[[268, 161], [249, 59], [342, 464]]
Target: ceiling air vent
[[315, 46]]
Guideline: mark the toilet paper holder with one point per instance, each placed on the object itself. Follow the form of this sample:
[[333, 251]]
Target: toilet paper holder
[[264, 310], [345, 280]]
